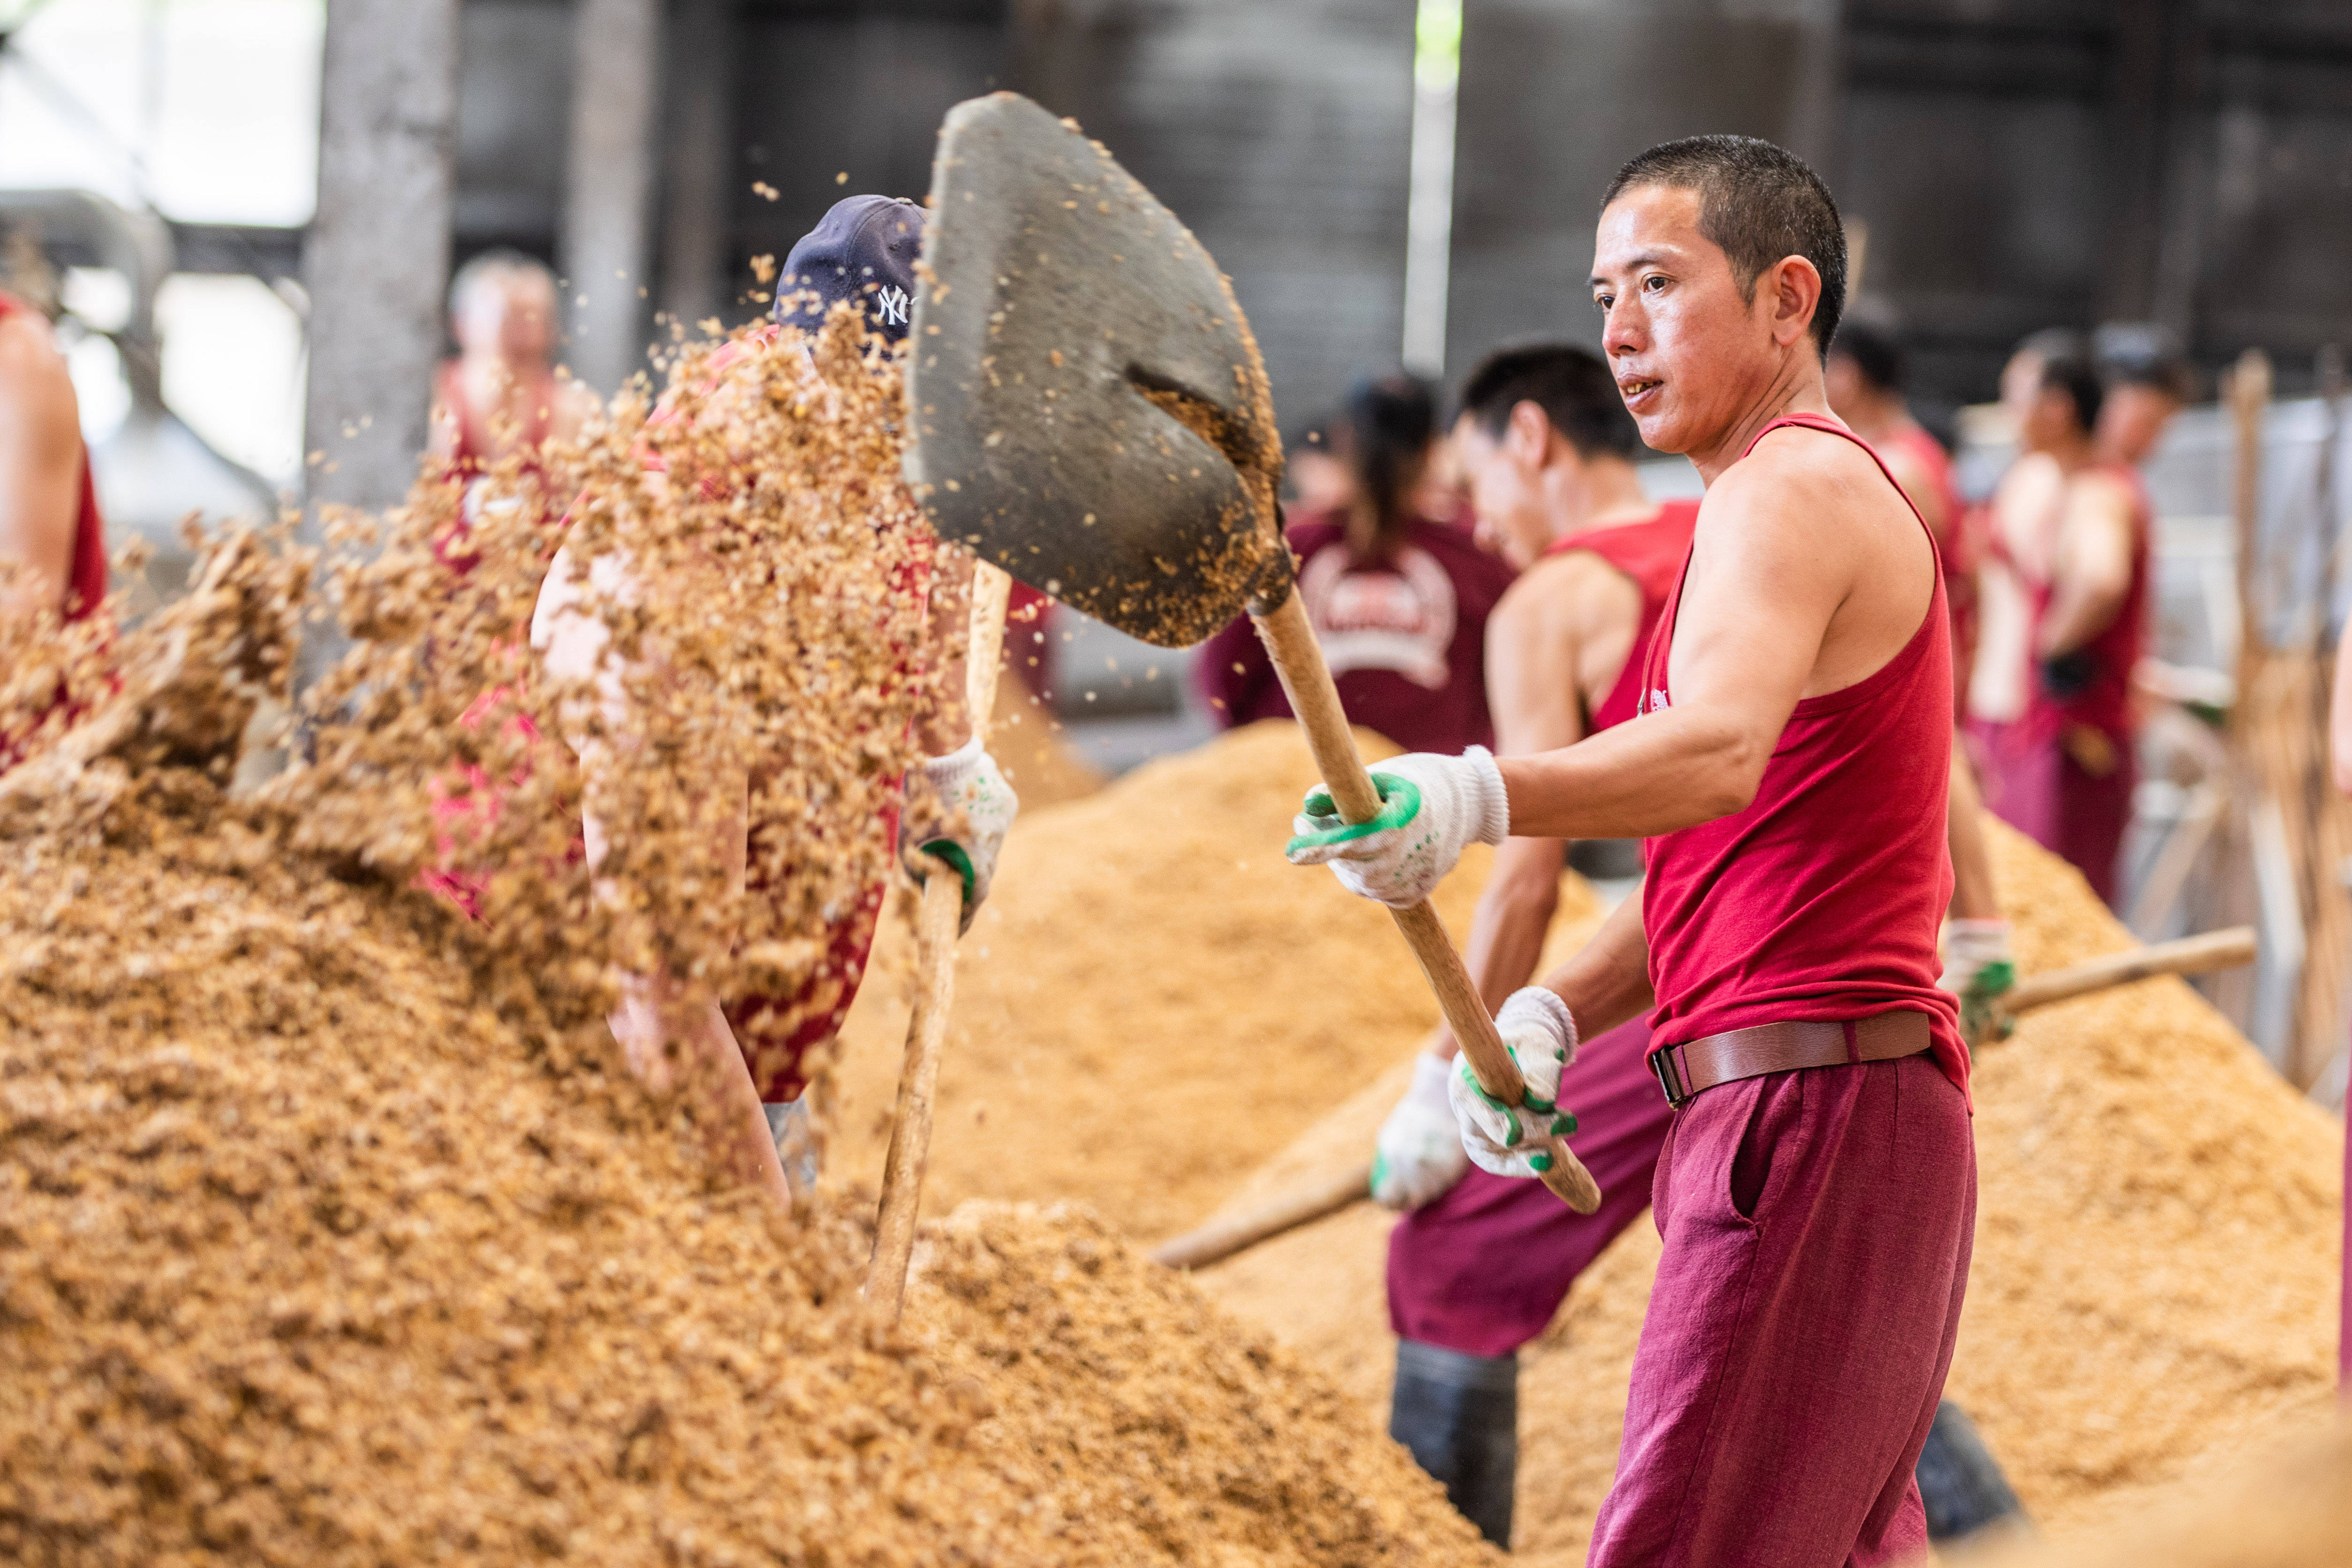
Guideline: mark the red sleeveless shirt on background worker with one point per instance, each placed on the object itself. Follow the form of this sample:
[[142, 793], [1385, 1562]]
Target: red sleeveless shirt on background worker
[[86, 572], [1817, 1222], [1956, 549], [1405, 636], [1483, 1269], [2066, 770]]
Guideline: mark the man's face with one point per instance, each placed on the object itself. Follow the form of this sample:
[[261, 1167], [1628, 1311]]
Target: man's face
[[1690, 355], [1505, 492], [2132, 421]]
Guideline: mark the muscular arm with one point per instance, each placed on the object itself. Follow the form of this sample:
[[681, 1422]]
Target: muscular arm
[[1607, 982], [40, 468], [2091, 570]]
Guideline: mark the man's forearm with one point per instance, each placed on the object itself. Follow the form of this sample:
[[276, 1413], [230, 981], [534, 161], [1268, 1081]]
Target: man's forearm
[[1507, 932], [1608, 981], [2079, 614], [1661, 771]]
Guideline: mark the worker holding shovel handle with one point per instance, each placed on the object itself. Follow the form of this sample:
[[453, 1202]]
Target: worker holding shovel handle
[[1788, 768]]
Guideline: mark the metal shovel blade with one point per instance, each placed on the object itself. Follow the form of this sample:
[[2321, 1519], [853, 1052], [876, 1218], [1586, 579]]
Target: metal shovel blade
[[1089, 410]]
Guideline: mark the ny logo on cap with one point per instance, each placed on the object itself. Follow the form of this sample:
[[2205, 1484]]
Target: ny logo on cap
[[894, 302]]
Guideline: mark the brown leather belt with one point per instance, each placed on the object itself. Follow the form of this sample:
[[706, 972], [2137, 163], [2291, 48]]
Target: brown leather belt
[[1684, 1070]]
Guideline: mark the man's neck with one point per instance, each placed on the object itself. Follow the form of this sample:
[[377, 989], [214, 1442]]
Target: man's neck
[[1612, 495], [2071, 455], [1794, 388]]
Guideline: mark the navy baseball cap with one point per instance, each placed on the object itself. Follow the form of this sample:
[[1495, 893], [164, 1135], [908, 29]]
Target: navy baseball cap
[[863, 250]]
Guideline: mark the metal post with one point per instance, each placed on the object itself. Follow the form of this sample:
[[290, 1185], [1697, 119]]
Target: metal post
[[697, 160], [378, 252], [608, 186]]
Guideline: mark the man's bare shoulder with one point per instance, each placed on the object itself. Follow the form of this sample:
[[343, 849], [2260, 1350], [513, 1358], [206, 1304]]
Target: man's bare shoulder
[[1573, 591], [1811, 482], [29, 358]]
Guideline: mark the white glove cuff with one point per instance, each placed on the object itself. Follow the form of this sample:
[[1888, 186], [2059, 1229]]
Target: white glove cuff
[[950, 773], [1977, 941], [1430, 1072], [1538, 1007], [1491, 803]]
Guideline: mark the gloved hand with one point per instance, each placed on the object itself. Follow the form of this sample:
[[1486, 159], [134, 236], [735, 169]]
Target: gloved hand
[[1511, 1141], [1431, 807], [1978, 971], [796, 1140], [1419, 1155], [961, 818]]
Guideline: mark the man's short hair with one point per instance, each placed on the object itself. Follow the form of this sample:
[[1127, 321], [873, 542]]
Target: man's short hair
[[1571, 384], [2066, 368], [1871, 337], [2143, 355], [1757, 203]]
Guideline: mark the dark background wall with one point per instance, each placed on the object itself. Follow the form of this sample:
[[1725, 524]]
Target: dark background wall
[[2017, 163]]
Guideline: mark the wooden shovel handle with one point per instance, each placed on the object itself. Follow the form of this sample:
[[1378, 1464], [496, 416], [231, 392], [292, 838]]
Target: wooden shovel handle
[[1303, 1204], [934, 936], [1298, 659], [2225, 949]]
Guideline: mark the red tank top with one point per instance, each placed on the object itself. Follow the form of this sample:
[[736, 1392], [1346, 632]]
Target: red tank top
[[1652, 553], [2106, 703], [85, 575], [1821, 900], [476, 442]]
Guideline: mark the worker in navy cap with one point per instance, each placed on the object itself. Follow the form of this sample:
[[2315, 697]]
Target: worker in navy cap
[[863, 250], [863, 254]]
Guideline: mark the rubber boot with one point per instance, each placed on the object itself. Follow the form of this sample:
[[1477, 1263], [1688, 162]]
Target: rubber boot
[[1459, 1414], [1960, 1483]]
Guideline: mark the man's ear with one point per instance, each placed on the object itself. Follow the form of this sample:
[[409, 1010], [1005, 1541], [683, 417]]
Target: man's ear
[[1793, 289], [1527, 436]]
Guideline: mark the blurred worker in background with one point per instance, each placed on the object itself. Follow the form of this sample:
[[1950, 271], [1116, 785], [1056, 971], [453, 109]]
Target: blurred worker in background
[[755, 1049], [2070, 526], [51, 533], [1319, 480], [501, 393], [2146, 380], [2340, 751], [49, 528], [1399, 600], [1863, 376], [1480, 1264]]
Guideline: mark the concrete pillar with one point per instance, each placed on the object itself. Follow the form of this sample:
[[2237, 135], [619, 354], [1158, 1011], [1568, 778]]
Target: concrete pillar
[[697, 157], [377, 256], [608, 186]]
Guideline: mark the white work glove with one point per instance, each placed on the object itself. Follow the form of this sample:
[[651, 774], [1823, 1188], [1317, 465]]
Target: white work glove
[[1979, 969], [1511, 1141], [796, 1140], [961, 818], [1431, 807], [1419, 1155]]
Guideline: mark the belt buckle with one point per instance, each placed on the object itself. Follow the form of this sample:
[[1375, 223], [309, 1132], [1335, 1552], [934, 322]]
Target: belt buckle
[[1670, 1079]]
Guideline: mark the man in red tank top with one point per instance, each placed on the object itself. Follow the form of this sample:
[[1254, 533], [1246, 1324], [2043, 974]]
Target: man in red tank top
[[50, 532], [2062, 769], [1816, 1194]]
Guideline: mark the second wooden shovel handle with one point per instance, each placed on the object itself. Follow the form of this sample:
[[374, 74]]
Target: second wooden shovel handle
[[1298, 659]]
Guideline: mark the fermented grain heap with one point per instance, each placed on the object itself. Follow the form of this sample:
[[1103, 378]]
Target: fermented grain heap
[[2156, 1256], [1153, 997], [330, 1231]]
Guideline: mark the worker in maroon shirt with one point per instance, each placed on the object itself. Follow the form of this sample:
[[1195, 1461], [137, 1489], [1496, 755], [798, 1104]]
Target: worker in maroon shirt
[[1399, 600], [50, 534], [1816, 1194]]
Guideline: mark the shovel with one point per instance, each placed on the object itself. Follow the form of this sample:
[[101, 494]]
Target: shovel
[[1309, 1201], [1089, 411]]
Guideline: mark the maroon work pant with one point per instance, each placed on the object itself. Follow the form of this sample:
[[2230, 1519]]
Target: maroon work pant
[[1483, 1269], [2033, 782], [1817, 1227]]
